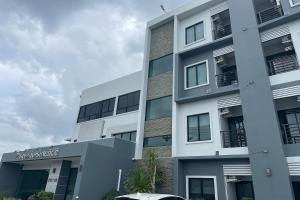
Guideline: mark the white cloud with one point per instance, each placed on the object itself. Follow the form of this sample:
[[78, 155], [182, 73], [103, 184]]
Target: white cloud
[[51, 50]]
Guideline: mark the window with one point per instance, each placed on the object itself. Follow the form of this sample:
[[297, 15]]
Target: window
[[128, 102], [198, 128], [158, 141], [130, 136], [194, 33], [201, 188], [161, 65], [196, 75], [159, 108], [96, 110], [295, 2]]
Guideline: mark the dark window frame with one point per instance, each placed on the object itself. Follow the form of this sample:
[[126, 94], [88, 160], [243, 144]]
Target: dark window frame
[[151, 66], [201, 179], [194, 30], [101, 112], [131, 133], [196, 65], [147, 102], [198, 127], [127, 108], [167, 138]]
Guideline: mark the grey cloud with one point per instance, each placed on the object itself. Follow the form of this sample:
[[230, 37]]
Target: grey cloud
[[52, 49]]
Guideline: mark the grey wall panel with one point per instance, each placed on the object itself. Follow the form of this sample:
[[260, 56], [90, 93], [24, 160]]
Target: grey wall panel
[[288, 9], [161, 42], [65, 150], [203, 92], [99, 170], [160, 85], [158, 127], [260, 119], [202, 167], [10, 178]]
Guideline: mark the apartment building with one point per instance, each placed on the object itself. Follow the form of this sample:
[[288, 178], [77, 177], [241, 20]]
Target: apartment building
[[220, 101], [98, 156]]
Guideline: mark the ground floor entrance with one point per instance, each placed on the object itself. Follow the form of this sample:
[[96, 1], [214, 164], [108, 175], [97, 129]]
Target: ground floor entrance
[[71, 184], [32, 181], [296, 187], [244, 190]]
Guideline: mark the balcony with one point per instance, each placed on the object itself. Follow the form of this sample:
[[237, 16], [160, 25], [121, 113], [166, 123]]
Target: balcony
[[280, 55], [291, 133], [233, 132], [234, 138], [222, 31], [221, 25], [227, 78], [269, 14], [267, 10], [282, 63]]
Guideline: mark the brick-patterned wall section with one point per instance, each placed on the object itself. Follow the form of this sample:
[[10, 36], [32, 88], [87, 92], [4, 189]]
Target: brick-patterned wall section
[[158, 127], [162, 152], [161, 44], [162, 41], [160, 85]]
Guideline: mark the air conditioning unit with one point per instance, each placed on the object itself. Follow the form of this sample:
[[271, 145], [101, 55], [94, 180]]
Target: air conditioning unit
[[233, 179], [285, 40], [225, 111], [220, 60], [216, 18], [288, 48]]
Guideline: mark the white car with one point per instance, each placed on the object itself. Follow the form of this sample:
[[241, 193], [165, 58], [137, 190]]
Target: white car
[[149, 196]]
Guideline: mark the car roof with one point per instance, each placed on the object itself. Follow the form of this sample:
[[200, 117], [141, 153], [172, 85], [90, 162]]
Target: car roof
[[147, 196]]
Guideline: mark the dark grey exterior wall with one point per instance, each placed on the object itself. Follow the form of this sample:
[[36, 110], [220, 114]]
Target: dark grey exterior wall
[[260, 119], [287, 9], [98, 172], [10, 177], [203, 92], [202, 167], [99, 169]]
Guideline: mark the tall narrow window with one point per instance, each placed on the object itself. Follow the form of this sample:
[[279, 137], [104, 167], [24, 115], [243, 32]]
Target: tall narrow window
[[196, 75], [194, 33], [198, 128], [201, 188]]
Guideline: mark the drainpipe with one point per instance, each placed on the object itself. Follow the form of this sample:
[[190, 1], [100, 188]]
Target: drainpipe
[[119, 180]]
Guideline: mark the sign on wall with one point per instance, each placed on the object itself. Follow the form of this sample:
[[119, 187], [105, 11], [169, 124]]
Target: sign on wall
[[36, 154]]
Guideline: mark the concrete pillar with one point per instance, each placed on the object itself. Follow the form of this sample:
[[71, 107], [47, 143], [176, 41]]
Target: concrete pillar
[[270, 173]]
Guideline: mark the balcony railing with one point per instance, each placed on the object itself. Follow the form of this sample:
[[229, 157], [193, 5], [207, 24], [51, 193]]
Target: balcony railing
[[234, 138], [282, 63], [269, 14], [222, 31], [291, 133], [227, 78]]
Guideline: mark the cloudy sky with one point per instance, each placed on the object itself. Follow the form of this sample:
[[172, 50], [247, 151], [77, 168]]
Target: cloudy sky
[[50, 50]]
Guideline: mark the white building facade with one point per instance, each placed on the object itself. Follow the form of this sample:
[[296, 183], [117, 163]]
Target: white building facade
[[228, 74]]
